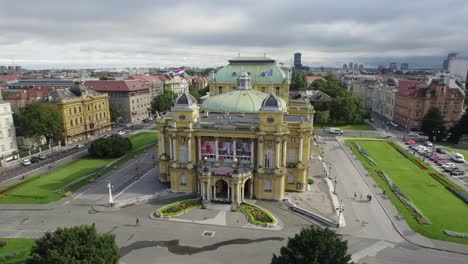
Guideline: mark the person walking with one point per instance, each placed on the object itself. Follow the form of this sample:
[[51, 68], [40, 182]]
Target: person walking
[[361, 196], [137, 222], [355, 195]]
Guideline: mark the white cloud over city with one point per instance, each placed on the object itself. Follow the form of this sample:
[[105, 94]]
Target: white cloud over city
[[119, 33]]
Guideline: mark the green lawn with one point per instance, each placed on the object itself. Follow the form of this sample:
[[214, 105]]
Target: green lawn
[[453, 148], [362, 126], [22, 247], [142, 139], [439, 205], [44, 188]]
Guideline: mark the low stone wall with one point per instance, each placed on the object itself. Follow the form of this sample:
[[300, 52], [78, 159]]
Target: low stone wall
[[318, 218]]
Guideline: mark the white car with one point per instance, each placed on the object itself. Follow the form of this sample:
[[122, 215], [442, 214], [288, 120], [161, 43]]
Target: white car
[[121, 133], [413, 134], [26, 162], [447, 165], [79, 146], [428, 143]]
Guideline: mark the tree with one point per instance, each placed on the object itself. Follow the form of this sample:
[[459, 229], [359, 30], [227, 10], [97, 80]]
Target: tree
[[460, 128], [314, 246], [114, 114], [163, 102], [75, 245], [322, 117], [41, 120], [298, 81], [433, 124], [111, 147]]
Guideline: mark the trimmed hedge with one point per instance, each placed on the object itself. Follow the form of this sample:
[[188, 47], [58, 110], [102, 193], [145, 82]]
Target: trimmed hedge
[[178, 208], [256, 215]]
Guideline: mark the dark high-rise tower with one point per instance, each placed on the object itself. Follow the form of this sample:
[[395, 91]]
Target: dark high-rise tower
[[297, 60]]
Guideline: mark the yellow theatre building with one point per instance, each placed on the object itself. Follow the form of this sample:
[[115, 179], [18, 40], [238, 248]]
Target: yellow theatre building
[[240, 143]]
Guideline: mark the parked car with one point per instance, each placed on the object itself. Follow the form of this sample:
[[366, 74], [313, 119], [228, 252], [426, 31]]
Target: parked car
[[441, 150], [428, 154], [448, 164], [413, 134], [457, 172], [410, 142], [428, 143], [79, 146], [434, 157], [457, 157], [26, 162], [42, 157], [450, 168], [334, 130], [121, 133], [441, 162], [35, 159], [150, 119]]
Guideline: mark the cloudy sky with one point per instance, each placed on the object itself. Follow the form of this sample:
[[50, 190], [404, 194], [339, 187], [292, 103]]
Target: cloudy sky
[[119, 33]]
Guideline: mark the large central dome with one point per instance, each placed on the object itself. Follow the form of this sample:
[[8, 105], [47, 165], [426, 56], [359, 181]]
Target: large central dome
[[241, 100]]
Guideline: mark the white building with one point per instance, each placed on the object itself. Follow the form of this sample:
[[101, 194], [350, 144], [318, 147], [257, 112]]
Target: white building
[[7, 130], [458, 68], [381, 98]]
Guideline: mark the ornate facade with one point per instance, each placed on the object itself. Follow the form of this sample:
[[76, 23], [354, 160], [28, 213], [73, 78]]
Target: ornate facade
[[236, 145]]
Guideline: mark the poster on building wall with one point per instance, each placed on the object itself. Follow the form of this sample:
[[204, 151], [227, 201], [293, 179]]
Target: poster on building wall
[[225, 148], [208, 147], [243, 149]]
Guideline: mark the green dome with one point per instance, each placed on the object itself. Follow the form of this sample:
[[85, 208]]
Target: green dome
[[236, 101]]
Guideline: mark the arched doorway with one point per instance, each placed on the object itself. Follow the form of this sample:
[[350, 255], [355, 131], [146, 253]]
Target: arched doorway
[[221, 187], [248, 192]]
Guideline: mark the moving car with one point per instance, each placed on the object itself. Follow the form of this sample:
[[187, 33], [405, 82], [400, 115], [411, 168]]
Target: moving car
[[413, 134], [334, 130], [79, 146], [35, 159], [42, 157], [26, 162], [428, 143], [441, 150], [457, 157], [410, 142], [121, 133], [393, 124]]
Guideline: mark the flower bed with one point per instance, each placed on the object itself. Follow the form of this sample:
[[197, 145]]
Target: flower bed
[[256, 215], [178, 208]]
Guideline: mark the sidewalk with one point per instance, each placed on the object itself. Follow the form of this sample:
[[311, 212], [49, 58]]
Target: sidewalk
[[400, 225]]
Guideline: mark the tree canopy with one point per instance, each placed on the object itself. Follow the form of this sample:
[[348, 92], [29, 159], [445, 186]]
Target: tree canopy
[[433, 124], [163, 102], [114, 114], [460, 128], [75, 245], [41, 120], [111, 147], [298, 81], [314, 246]]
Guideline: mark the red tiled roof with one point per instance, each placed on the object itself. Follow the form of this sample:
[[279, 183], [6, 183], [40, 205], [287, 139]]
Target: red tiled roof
[[35, 92], [116, 86], [407, 87], [145, 78], [314, 78], [9, 77]]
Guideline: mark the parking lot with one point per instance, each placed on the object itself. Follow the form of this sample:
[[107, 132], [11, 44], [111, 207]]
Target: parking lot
[[439, 161]]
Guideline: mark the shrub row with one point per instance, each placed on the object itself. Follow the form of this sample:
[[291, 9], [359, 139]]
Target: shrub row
[[364, 154], [256, 215], [455, 234], [178, 208], [404, 199]]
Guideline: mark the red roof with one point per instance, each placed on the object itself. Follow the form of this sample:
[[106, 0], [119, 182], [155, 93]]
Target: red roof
[[9, 77], [145, 78], [35, 92], [116, 86], [407, 87], [312, 79]]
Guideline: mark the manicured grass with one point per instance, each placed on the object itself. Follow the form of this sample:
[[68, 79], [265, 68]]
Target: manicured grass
[[357, 137], [439, 205], [21, 246], [362, 126], [143, 138], [178, 208], [44, 188]]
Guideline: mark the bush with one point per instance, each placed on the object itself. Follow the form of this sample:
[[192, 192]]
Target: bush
[[111, 147], [310, 181], [2, 244]]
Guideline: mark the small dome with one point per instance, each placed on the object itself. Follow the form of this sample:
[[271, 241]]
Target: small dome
[[185, 101], [272, 103], [392, 81]]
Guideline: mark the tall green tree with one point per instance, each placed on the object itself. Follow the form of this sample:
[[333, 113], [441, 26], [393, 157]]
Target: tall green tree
[[314, 246], [41, 120], [433, 124], [322, 117], [298, 81], [163, 102], [75, 245], [114, 114], [460, 128]]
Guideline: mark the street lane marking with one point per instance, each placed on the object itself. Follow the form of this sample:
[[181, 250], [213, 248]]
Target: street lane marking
[[371, 250]]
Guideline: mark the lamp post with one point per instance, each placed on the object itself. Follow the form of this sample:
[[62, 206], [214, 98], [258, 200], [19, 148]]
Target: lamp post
[[340, 209], [235, 166], [205, 162], [111, 200]]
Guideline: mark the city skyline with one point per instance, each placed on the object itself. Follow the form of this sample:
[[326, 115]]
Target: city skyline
[[55, 34]]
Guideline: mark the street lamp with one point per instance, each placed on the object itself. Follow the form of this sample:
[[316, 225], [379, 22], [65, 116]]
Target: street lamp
[[206, 167], [235, 166], [340, 209]]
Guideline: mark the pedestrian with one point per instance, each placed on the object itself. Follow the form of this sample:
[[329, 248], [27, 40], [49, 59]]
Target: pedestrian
[[137, 222], [361, 196], [383, 192], [355, 195], [370, 197]]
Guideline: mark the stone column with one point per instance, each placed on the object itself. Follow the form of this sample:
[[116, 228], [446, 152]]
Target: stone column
[[216, 149], [285, 145], [199, 148], [234, 154], [214, 191], [301, 142], [260, 153], [209, 190], [251, 188], [278, 153], [252, 151], [174, 146], [242, 192], [203, 190], [232, 193], [163, 144], [238, 193], [170, 148], [228, 192], [189, 148]]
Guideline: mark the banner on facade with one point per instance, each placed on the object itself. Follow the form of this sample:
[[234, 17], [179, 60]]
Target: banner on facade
[[243, 149], [208, 147], [225, 148]]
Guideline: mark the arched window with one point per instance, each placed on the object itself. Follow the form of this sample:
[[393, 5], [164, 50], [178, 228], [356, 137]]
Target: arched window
[[268, 186], [183, 179]]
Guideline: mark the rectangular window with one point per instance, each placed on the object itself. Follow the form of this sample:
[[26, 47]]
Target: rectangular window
[[183, 180], [290, 178], [292, 155], [293, 139], [268, 186], [220, 89], [277, 90], [263, 90]]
